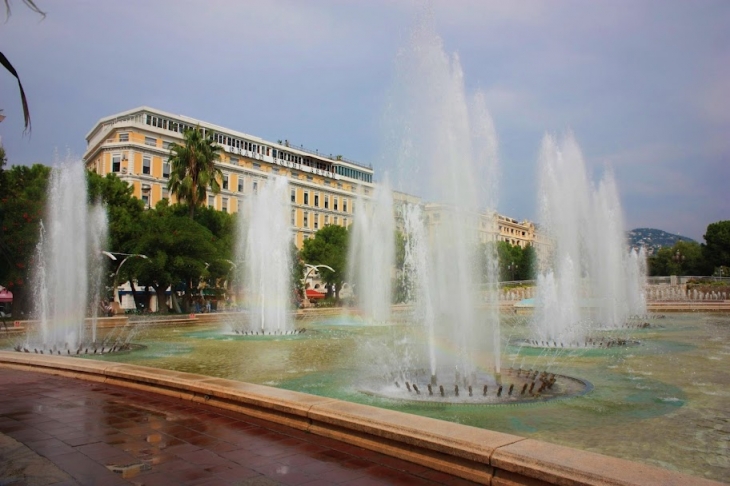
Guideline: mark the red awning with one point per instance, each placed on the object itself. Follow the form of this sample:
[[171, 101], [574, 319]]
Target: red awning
[[6, 295], [313, 294]]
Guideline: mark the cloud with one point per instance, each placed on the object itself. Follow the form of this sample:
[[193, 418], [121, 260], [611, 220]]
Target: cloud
[[642, 83]]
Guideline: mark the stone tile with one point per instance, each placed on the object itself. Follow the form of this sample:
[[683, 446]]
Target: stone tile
[[232, 472], [203, 457], [49, 447], [85, 470]]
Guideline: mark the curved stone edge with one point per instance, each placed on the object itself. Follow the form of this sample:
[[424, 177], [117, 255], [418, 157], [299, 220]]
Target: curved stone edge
[[479, 455]]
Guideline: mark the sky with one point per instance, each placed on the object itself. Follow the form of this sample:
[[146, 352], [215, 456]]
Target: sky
[[643, 85]]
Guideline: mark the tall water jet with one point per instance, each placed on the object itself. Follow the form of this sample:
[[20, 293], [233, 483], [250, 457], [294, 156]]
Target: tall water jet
[[97, 235], [67, 259], [588, 278], [444, 144], [264, 248], [372, 253]]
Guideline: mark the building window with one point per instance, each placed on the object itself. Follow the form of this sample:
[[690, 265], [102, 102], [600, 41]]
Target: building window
[[305, 223], [310, 178], [224, 206], [240, 183], [257, 166], [146, 200], [225, 181], [344, 205], [211, 201], [165, 193], [166, 145], [152, 142], [326, 202], [306, 198], [326, 219], [316, 200], [293, 217], [165, 170], [255, 187], [294, 195], [335, 204], [234, 160], [344, 222], [116, 163], [146, 164], [315, 217], [124, 137], [337, 221]]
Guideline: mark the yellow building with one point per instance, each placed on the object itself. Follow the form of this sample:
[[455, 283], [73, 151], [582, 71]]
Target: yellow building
[[135, 145], [489, 226]]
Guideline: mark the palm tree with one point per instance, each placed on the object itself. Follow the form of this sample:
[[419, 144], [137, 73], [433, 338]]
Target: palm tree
[[193, 168]]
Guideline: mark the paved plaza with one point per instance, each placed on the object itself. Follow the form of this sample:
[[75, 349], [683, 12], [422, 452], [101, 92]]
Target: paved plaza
[[64, 431]]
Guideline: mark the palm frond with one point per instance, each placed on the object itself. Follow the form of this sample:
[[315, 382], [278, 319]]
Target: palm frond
[[26, 112], [28, 3]]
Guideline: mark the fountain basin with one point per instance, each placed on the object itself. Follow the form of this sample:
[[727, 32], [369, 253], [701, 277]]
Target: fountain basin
[[475, 454], [516, 387], [643, 403]]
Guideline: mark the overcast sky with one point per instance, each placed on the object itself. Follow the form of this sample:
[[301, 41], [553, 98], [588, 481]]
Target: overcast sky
[[643, 85]]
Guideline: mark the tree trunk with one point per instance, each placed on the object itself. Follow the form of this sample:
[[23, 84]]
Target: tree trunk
[[188, 299], [147, 299], [134, 294], [175, 303], [161, 299]]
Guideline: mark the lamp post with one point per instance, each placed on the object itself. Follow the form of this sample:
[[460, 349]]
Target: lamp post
[[127, 256], [512, 267], [228, 273], [310, 269], [679, 259]]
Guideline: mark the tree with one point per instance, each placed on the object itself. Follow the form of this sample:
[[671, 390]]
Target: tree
[[193, 168], [328, 247], [664, 262], [124, 211], [528, 266], [716, 249], [402, 287], [22, 202], [177, 249]]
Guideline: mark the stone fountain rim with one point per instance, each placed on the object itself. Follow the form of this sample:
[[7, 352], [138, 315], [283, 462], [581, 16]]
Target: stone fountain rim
[[467, 452]]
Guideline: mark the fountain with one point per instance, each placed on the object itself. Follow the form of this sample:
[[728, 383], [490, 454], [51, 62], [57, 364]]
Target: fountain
[[69, 269], [264, 248], [444, 145], [588, 280], [449, 355], [372, 253]]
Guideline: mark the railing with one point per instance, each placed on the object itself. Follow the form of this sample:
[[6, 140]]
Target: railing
[[334, 158], [667, 280]]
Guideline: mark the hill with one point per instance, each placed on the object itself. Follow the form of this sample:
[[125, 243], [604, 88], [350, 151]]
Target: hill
[[653, 239]]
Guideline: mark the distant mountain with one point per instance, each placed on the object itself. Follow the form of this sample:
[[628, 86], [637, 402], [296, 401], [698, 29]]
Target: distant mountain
[[653, 239]]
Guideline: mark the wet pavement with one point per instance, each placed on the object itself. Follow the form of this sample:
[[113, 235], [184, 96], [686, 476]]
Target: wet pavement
[[56, 430]]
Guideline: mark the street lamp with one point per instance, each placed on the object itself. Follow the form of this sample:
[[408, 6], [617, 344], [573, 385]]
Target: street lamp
[[310, 269], [512, 267], [127, 256]]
